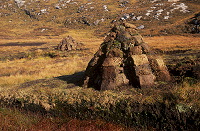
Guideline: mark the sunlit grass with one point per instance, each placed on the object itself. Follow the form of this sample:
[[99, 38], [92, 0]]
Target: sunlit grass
[[51, 94], [167, 43], [19, 71]]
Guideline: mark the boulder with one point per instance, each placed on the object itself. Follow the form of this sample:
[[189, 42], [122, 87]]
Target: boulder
[[124, 59], [128, 25]]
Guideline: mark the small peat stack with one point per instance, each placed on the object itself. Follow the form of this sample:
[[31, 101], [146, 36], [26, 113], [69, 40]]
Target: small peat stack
[[124, 59], [68, 43]]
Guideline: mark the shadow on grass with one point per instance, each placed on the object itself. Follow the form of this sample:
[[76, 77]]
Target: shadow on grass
[[23, 44], [66, 81], [76, 78]]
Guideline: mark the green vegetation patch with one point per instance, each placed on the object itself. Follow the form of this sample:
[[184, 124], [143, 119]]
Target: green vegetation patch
[[160, 108]]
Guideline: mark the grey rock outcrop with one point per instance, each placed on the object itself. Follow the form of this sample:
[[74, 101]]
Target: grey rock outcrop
[[124, 59], [68, 43]]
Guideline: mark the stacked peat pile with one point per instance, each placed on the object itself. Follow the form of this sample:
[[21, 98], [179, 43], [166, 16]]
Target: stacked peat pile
[[124, 59], [68, 43]]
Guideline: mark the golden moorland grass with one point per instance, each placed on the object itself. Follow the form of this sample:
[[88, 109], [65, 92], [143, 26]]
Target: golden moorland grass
[[169, 43], [46, 91], [27, 69], [30, 68], [49, 93], [19, 71]]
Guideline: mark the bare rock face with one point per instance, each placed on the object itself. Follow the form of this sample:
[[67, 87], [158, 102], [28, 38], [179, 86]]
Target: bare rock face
[[124, 59], [68, 44]]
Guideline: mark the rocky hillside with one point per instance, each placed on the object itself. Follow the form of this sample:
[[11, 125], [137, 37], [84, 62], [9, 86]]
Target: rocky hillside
[[51, 17]]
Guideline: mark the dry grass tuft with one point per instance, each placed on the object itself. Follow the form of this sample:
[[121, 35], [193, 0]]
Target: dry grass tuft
[[20, 71], [188, 94], [167, 43]]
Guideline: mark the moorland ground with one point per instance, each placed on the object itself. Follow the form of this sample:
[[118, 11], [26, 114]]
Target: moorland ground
[[33, 64], [40, 87], [29, 59]]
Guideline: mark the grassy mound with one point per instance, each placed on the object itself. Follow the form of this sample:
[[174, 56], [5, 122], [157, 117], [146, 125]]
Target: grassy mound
[[162, 108]]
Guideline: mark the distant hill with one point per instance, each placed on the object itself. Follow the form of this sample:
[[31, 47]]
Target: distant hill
[[19, 18]]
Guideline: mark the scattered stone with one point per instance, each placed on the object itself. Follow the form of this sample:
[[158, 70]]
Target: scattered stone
[[182, 7], [43, 11], [124, 59], [148, 14], [68, 1], [31, 15], [105, 8], [86, 21], [125, 16], [166, 17], [139, 17], [134, 18], [68, 44], [128, 25], [20, 3], [57, 7], [141, 27], [97, 22]]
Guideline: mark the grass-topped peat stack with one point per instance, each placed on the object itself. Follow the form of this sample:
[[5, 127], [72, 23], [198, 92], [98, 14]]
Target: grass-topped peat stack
[[68, 43], [125, 59]]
